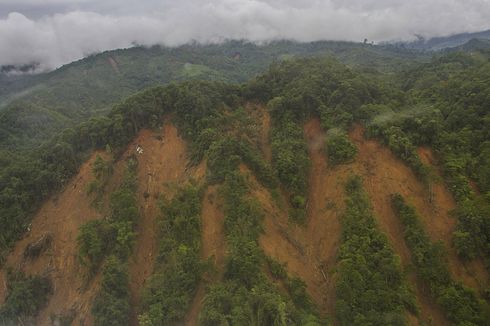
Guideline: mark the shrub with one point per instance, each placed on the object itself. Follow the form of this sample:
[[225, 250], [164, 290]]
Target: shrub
[[26, 295], [111, 306], [371, 288], [340, 150]]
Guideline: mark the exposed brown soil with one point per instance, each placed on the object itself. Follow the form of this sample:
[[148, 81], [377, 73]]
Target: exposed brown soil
[[61, 217], [213, 247], [309, 251], [472, 274], [162, 167], [383, 175]]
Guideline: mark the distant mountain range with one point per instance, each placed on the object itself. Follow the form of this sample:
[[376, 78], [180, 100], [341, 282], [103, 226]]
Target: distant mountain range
[[452, 41], [34, 106]]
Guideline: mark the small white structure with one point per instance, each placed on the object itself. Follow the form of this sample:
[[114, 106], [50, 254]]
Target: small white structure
[[139, 149]]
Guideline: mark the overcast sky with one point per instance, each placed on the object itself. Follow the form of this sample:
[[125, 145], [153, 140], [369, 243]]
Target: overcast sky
[[55, 32]]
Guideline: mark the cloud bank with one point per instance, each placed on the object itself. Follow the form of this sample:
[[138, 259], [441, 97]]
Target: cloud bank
[[60, 31]]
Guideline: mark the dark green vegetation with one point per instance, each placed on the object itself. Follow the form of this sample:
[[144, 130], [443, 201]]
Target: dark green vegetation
[[246, 296], [178, 270], [111, 306], [44, 104], [109, 242], [311, 87], [25, 296], [441, 105], [446, 109], [340, 149], [371, 289], [102, 170], [114, 235], [290, 156], [458, 302]]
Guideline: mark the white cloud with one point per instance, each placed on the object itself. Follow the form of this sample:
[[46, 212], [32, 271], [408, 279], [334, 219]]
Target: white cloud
[[70, 29]]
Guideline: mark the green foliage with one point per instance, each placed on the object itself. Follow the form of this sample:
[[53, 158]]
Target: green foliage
[[26, 295], [402, 146], [340, 150], [294, 285], [95, 239], [459, 303], [290, 155], [111, 305], [37, 106], [246, 296], [115, 235], [112, 238], [102, 170], [454, 89], [178, 271], [371, 288], [472, 235]]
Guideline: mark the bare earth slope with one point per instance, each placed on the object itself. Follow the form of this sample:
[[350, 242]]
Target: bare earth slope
[[213, 247], [60, 217], [162, 167], [310, 251]]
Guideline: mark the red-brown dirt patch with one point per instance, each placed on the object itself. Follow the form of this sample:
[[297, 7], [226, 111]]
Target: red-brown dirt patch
[[474, 273], [61, 217], [213, 246], [162, 166], [309, 251], [384, 174]]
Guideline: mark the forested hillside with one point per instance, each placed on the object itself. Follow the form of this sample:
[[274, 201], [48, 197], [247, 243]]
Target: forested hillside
[[316, 193], [34, 107]]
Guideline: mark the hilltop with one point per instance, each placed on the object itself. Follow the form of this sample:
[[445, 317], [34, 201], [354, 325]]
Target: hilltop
[[34, 107]]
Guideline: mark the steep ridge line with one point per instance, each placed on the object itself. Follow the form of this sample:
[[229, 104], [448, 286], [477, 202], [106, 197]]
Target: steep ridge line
[[213, 247], [61, 217], [161, 167]]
